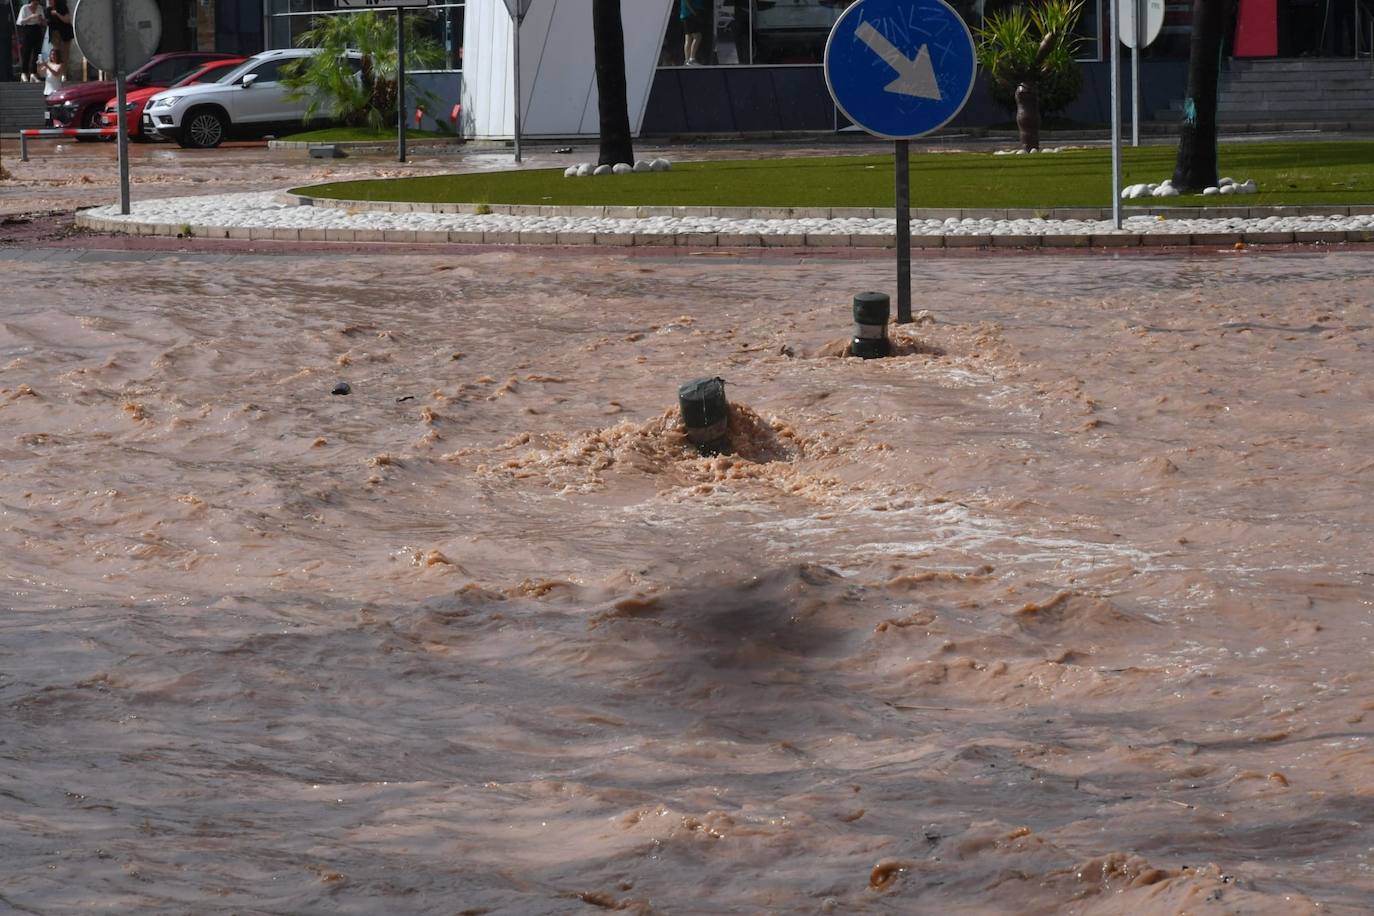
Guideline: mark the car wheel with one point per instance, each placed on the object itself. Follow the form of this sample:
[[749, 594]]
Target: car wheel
[[90, 119], [202, 129]]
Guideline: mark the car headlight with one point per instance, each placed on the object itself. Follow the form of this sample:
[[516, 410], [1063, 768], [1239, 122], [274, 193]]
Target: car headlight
[[161, 103]]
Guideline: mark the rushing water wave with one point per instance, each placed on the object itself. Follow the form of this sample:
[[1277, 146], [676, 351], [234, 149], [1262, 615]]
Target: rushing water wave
[[1064, 608]]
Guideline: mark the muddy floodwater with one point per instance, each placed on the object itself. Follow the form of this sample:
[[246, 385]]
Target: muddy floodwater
[[1065, 608]]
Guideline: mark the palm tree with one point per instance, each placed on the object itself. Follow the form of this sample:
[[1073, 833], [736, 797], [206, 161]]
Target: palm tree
[[369, 97], [608, 39], [1196, 165], [1023, 49]]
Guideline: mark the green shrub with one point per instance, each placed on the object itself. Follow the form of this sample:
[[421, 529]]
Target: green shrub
[[368, 100]]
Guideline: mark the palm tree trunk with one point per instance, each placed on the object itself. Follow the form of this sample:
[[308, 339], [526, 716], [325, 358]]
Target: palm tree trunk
[[1196, 166], [1028, 114], [608, 37]]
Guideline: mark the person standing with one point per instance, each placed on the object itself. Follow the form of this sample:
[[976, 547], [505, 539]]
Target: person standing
[[7, 41], [30, 23], [695, 21], [54, 73], [60, 31]]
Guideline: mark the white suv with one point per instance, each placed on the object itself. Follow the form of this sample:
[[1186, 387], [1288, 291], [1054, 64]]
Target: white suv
[[250, 101]]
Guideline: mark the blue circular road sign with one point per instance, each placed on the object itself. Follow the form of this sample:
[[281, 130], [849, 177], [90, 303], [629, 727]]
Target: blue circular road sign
[[900, 68]]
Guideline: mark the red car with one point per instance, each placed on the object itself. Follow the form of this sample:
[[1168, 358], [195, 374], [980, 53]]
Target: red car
[[80, 105], [134, 101]]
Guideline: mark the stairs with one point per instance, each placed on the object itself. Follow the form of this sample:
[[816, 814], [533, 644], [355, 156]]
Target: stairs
[[21, 106], [1293, 94]]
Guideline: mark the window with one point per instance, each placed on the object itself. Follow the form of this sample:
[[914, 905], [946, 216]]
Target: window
[[269, 71], [795, 31], [167, 72], [442, 21]]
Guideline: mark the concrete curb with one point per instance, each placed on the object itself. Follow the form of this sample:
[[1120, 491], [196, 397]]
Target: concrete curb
[[619, 212], [727, 240], [363, 145]]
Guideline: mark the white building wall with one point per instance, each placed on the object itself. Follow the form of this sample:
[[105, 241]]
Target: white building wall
[[557, 67]]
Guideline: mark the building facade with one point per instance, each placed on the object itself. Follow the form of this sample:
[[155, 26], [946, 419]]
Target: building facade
[[755, 64]]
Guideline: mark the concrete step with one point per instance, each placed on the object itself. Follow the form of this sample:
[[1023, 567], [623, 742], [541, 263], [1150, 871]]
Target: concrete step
[[1322, 65], [1364, 84], [1230, 109], [1294, 106], [1270, 126], [1299, 94], [1334, 115], [21, 106]]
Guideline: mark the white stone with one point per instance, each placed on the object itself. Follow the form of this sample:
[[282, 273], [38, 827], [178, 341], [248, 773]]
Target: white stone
[[570, 172], [661, 165], [263, 211], [584, 169], [1210, 191], [1249, 186], [644, 165], [1225, 181], [602, 170], [1166, 190], [1227, 189], [622, 168]]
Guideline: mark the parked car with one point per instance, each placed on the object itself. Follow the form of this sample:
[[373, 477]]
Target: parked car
[[80, 105], [134, 101], [250, 101]]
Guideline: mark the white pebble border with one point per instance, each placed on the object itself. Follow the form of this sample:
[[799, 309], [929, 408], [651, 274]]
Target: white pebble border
[[277, 216]]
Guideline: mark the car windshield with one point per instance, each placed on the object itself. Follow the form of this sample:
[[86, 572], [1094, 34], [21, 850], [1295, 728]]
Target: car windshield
[[206, 75], [240, 70]]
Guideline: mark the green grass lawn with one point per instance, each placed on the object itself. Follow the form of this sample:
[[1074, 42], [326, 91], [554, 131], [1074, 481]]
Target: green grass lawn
[[1287, 173], [365, 134]]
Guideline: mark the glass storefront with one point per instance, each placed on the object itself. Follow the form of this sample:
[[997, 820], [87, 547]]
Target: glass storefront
[[782, 32], [287, 19]]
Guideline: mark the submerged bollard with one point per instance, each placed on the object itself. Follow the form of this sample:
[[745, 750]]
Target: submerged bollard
[[705, 413], [870, 325]]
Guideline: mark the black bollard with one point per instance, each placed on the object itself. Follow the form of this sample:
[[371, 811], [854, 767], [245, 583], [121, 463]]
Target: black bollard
[[705, 413], [870, 325]]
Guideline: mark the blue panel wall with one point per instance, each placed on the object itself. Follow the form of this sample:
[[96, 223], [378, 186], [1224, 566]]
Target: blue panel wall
[[708, 100]]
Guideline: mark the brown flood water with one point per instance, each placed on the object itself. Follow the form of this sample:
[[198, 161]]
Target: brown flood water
[[1066, 609]]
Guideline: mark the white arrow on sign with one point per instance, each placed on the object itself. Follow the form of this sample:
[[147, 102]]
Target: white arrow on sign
[[914, 77]]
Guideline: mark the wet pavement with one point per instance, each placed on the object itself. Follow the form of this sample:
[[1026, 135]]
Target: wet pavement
[[1064, 608]]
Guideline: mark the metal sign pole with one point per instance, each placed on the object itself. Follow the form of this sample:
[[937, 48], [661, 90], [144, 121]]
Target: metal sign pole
[[519, 16], [400, 84], [117, 42], [1115, 116], [1139, 25], [902, 161]]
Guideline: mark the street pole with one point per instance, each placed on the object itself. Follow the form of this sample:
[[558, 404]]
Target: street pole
[[1135, 72], [517, 19], [1115, 114], [400, 84], [902, 155], [117, 42]]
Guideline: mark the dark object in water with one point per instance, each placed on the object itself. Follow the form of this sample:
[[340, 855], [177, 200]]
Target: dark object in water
[[871, 312], [705, 413]]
